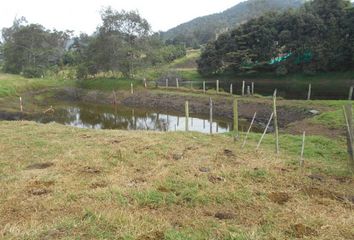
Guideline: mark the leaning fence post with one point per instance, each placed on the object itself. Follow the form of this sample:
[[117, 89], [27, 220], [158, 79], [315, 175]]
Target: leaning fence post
[[348, 115], [187, 115], [115, 97], [131, 88], [235, 111], [249, 129], [21, 104], [217, 86], [276, 122], [302, 150], [350, 97], [243, 88], [265, 131], [309, 92], [177, 83], [211, 115]]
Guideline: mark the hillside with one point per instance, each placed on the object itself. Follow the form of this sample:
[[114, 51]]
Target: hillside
[[202, 29]]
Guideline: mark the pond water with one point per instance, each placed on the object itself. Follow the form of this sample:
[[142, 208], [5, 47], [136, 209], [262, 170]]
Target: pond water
[[324, 90], [84, 115]]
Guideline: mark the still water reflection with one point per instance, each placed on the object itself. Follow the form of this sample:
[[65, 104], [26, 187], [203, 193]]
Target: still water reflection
[[119, 117]]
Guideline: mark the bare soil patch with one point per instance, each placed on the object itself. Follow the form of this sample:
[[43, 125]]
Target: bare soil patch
[[279, 197], [300, 230], [39, 165]]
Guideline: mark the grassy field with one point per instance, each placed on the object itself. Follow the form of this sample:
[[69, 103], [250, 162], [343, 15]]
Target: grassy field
[[59, 182], [12, 85]]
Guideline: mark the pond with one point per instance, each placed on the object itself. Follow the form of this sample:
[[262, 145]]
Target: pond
[[85, 115], [325, 90]]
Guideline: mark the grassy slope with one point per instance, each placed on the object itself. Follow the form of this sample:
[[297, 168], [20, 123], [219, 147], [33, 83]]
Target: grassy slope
[[12, 85], [135, 185]]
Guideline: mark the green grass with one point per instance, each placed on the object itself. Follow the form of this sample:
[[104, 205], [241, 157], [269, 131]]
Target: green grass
[[300, 77], [109, 84], [330, 153], [13, 85], [332, 118], [186, 62]]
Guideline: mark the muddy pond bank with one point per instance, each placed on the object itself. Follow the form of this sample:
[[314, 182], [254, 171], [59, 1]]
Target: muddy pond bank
[[147, 106], [222, 106]]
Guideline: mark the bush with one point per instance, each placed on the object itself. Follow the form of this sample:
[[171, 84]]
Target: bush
[[32, 72], [82, 72]]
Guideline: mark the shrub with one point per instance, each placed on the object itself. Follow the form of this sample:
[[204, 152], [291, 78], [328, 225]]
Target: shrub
[[32, 72]]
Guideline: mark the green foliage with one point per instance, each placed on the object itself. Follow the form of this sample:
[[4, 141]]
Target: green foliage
[[310, 39], [32, 72], [82, 71], [30, 48], [123, 43]]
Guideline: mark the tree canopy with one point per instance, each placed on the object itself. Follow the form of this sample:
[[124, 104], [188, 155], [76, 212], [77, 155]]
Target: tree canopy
[[316, 37], [123, 42], [30, 48]]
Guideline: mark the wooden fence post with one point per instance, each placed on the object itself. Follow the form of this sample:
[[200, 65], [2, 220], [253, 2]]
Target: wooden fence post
[[350, 97], [21, 104], [243, 88], [145, 84], [166, 83], [348, 115], [235, 112], [203, 86], [252, 91], [231, 90], [309, 92], [217, 86], [131, 88], [302, 161], [177, 83], [265, 131], [187, 115], [275, 116], [115, 97], [211, 115], [248, 91], [249, 129]]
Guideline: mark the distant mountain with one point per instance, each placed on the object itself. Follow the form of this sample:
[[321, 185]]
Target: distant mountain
[[202, 29]]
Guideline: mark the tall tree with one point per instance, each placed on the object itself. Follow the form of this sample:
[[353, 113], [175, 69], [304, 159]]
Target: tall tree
[[32, 48]]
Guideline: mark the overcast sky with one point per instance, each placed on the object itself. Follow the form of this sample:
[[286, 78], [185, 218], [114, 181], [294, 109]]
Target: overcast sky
[[83, 15]]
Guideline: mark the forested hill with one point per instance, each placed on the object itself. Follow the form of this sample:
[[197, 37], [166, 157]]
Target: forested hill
[[202, 29]]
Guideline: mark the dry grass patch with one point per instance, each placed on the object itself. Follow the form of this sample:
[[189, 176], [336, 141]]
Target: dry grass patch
[[146, 185]]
